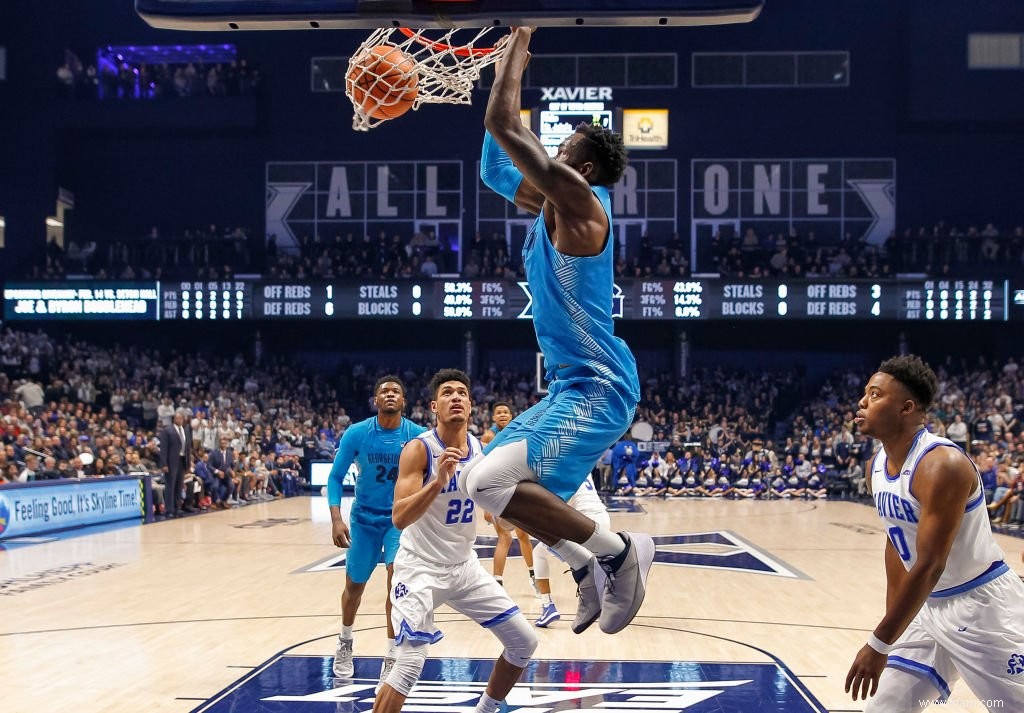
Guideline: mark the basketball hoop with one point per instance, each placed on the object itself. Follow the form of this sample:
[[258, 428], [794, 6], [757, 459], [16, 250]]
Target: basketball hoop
[[444, 70]]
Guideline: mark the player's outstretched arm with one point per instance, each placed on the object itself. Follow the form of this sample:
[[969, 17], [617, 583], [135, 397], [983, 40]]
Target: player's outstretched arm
[[559, 183]]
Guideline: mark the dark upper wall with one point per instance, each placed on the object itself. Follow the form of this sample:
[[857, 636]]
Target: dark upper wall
[[954, 133]]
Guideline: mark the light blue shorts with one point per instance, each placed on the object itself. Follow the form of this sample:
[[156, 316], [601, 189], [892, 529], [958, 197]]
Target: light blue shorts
[[374, 540], [568, 431]]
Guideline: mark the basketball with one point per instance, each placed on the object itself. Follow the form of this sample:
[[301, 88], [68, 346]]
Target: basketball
[[383, 82]]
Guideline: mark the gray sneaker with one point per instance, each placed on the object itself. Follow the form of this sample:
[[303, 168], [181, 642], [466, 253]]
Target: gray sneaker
[[588, 593], [343, 658], [385, 669], [626, 586]]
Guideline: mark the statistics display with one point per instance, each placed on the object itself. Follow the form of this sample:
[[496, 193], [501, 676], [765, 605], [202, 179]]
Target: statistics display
[[81, 300], [440, 299]]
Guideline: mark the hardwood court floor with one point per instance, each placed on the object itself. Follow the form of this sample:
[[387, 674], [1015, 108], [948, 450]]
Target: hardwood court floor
[[162, 617]]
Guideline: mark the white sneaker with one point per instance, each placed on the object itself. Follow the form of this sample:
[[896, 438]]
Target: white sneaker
[[343, 667]]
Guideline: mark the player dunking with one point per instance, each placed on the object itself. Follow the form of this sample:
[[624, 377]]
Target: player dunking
[[436, 563], [953, 607], [501, 414], [375, 445], [540, 459]]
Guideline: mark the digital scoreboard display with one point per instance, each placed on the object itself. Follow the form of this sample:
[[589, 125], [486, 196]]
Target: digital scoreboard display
[[81, 301], [560, 119], [697, 298]]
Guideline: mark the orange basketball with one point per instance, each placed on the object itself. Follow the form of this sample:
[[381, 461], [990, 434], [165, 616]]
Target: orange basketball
[[383, 81]]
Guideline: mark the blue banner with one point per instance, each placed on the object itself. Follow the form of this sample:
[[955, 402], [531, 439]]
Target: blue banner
[[34, 508]]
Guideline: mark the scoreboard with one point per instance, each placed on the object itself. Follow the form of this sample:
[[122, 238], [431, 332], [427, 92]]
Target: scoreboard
[[694, 299]]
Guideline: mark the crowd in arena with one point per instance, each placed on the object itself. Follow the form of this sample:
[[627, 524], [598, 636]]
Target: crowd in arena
[[212, 252], [936, 252], [219, 253], [121, 78], [979, 406], [73, 409]]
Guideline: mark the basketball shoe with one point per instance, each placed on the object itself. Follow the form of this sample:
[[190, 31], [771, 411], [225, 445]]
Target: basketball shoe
[[343, 667], [589, 583], [548, 615], [626, 581]]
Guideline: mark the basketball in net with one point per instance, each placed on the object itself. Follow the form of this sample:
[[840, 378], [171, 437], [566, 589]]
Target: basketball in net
[[396, 69], [383, 82]]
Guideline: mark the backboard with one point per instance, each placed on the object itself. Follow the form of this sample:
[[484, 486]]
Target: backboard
[[224, 15]]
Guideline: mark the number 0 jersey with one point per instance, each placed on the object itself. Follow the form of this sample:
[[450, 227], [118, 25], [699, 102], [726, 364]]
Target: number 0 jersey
[[974, 559], [446, 531]]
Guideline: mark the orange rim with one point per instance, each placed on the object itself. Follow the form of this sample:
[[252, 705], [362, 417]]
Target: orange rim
[[464, 51]]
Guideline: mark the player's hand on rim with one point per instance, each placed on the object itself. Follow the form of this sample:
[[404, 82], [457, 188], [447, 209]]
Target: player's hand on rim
[[864, 673]]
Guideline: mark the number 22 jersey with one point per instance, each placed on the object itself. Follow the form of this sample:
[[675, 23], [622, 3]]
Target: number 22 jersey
[[446, 531]]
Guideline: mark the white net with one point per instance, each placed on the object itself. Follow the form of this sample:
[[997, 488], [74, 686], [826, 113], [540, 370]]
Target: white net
[[434, 67]]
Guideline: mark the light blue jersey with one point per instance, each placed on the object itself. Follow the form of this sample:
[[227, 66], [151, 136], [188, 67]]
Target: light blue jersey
[[376, 451], [594, 388], [572, 310]]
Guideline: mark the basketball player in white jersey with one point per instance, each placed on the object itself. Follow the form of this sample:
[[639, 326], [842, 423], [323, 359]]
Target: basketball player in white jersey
[[953, 607], [589, 503], [436, 563]]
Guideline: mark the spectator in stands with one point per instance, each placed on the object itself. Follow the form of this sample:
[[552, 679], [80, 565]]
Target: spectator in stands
[[31, 470], [50, 470], [855, 474], [428, 267], [31, 394], [957, 432], [165, 412], [211, 484], [999, 498], [222, 461]]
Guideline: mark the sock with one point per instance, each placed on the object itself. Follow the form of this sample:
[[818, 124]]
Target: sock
[[487, 704], [605, 544], [346, 632], [612, 563], [532, 575], [576, 556], [546, 598], [500, 579]]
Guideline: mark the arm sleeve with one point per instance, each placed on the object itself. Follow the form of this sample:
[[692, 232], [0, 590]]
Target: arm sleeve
[[342, 461], [497, 170]]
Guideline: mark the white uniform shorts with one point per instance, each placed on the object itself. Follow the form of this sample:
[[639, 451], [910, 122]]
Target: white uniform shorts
[[977, 635], [419, 587]]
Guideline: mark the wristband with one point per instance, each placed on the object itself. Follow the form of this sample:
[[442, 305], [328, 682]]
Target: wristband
[[879, 645]]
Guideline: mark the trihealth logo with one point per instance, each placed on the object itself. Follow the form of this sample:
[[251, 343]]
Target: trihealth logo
[[5, 515]]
